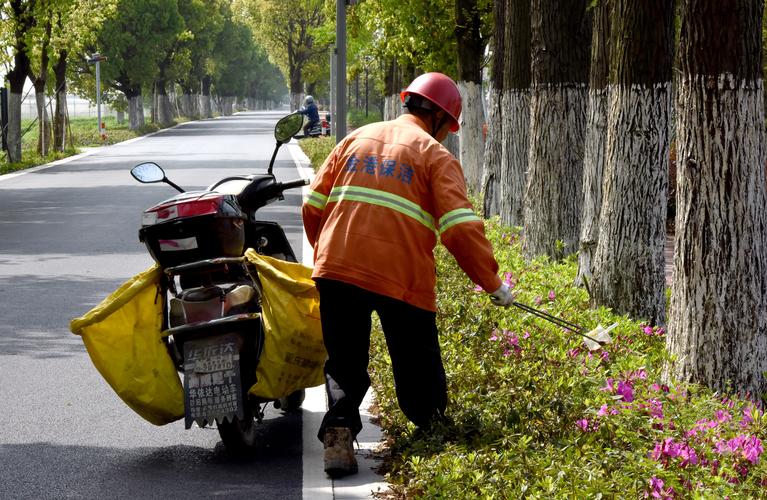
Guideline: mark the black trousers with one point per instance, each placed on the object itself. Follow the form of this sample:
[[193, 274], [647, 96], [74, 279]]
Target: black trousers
[[411, 338]]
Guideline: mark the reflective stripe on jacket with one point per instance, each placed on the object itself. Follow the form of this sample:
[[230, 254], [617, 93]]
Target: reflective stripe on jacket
[[377, 206]]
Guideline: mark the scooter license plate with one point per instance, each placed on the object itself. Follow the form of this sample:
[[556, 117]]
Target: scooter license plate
[[212, 383], [214, 364]]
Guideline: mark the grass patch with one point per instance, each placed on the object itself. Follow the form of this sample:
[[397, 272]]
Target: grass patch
[[536, 415], [84, 133], [317, 149]]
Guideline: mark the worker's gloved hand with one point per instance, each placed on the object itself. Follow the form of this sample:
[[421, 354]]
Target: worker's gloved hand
[[502, 297]]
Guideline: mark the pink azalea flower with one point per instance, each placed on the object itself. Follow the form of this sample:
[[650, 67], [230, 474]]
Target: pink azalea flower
[[573, 352], [586, 426], [526, 335], [752, 449], [609, 387], [478, 289], [624, 389], [507, 279], [538, 300], [494, 335], [552, 295], [606, 410], [722, 416], [647, 330], [657, 487], [656, 408], [512, 339]]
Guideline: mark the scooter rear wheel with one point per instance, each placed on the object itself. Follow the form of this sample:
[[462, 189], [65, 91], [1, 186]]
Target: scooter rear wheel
[[291, 402], [239, 436]]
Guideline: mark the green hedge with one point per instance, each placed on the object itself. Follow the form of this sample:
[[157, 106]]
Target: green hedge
[[535, 414]]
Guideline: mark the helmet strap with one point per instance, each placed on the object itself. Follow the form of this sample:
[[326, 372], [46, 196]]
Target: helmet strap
[[437, 123]]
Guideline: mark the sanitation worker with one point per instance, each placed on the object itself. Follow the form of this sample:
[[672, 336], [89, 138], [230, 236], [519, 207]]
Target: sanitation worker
[[375, 210]]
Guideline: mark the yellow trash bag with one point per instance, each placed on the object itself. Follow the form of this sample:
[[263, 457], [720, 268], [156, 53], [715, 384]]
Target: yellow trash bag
[[123, 338], [294, 353]]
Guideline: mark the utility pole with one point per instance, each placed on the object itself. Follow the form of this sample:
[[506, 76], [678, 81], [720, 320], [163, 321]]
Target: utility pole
[[333, 91], [96, 59], [340, 117]]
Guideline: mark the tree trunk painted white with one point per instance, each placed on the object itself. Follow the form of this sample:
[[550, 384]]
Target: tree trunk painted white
[[14, 127], [44, 137], [629, 261], [296, 101], [206, 109], [60, 121], [136, 112], [593, 171], [553, 196], [515, 106], [227, 103], [164, 110], [491, 172], [392, 107], [718, 325], [186, 105], [453, 144], [472, 142]]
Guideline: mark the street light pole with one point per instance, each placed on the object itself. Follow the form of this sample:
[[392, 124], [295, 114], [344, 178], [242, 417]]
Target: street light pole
[[96, 59]]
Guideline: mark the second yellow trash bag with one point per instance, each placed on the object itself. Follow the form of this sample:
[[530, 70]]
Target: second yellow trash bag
[[294, 353], [123, 338]]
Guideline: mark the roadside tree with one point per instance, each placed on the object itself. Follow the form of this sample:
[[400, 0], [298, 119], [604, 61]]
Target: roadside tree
[[471, 26], [135, 39], [515, 103], [596, 138], [286, 29], [629, 261], [19, 16], [718, 327], [560, 53]]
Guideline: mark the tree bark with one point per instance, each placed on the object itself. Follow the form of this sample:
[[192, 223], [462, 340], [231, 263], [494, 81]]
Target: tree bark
[[596, 138], [206, 110], [553, 197], [135, 109], [470, 53], [61, 115], [164, 107], [392, 86], [16, 78], [44, 137], [14, 127], [515, 104], [629, 259], [718, 328]]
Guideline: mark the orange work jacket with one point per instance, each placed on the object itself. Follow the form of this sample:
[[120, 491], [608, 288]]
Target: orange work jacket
[[379, 202]]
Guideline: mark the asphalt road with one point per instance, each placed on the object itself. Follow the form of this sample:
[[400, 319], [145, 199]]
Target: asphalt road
[[68, 237]]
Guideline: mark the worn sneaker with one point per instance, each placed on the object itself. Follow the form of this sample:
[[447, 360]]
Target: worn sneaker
[[339, 452]]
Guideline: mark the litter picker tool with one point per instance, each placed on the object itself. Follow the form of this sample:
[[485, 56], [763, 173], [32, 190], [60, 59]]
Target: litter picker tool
[[593, 339]]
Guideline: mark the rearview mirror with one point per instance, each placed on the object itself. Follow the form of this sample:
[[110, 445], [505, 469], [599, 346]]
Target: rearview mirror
[[148, 172], [287, 127]]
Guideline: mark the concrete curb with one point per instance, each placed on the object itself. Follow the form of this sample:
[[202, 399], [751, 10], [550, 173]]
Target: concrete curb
[[316, 484]]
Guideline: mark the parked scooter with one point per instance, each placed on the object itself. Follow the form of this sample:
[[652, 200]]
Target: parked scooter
[[212, 326]]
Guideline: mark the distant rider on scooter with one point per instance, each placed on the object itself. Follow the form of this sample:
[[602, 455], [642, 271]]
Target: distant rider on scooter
[[310, 110]]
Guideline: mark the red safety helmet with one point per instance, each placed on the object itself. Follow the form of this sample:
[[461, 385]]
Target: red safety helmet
[[439, 89]]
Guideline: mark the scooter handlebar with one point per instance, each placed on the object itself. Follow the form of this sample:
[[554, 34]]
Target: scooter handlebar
[[293, 184]]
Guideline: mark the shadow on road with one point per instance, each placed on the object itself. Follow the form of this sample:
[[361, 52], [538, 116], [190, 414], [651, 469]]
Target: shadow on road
[[274, 470]]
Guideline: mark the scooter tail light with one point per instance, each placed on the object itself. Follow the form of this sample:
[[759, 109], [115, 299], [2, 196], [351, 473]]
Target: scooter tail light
[[202, 206]]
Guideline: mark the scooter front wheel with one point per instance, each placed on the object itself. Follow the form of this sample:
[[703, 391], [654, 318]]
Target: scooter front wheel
[[238, 436]]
